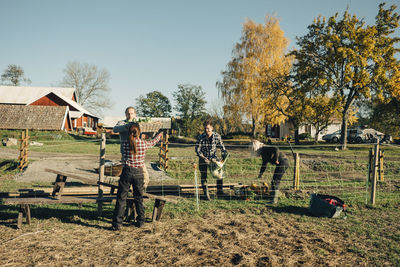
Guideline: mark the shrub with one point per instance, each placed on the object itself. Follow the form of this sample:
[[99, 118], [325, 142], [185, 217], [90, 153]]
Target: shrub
[[304, 136]]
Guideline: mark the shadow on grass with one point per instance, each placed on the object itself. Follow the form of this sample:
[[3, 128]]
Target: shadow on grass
[[13, 165], [85, 215], [292, 210]]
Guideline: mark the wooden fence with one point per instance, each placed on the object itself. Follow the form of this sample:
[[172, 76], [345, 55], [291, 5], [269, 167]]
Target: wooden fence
[[23, 150]]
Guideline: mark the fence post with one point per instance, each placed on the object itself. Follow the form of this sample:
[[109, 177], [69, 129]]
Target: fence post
[[374, 173], [381, 177], [23, 150], [296, 176], [196, 184], [102, 162], [166, 150], [163, 155], [370, 156]]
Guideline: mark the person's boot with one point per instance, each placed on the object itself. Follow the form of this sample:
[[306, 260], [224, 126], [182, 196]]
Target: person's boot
[[274, 197], [220, 190], [206, 192]]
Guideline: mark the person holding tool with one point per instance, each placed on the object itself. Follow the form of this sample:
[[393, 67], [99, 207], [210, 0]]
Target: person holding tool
[[271, 154], [206, 149], [122, 127]]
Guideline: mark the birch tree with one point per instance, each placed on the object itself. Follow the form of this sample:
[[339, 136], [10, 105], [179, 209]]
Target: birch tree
[[257, 68]]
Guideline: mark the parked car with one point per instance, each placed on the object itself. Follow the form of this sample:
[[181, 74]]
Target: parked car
[[357, 136], [367, 135], [332, 137], [370, 135]]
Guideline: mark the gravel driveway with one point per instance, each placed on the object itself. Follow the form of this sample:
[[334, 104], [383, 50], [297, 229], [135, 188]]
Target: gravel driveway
[[79, 164]]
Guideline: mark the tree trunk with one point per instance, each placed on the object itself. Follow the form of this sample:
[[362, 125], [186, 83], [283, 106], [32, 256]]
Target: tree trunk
[[345, 117], [316, 137], [296, 136], [253, 129]]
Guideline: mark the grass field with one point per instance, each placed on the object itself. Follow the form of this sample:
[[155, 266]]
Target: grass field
[[220, 232]]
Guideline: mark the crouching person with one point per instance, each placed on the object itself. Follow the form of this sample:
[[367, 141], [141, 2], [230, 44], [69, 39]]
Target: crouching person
[[134, 152], [206, 149], [270, 154]]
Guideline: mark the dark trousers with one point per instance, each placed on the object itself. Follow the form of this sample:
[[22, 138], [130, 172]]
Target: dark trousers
[[278, 174], [130, 176], [203, 167]]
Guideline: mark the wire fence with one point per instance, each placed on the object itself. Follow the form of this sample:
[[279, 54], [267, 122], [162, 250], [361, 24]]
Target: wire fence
[[343, 174], [322, 169]]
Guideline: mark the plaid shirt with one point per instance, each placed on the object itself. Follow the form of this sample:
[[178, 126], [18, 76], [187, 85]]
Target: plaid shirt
[[137, 161], [207, 147]]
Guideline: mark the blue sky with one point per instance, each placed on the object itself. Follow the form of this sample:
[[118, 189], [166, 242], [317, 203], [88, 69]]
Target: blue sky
[[147, 45]]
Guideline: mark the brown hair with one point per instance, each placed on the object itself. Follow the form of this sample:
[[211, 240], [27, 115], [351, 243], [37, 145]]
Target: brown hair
[[134, 133], [207, 122]]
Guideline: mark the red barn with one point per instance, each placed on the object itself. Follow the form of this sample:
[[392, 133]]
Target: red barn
[[48, 118], [81, 119]]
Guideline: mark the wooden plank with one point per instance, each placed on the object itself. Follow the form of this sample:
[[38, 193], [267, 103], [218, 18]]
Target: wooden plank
[[45, 192], [145, 194], [49, 200], [92, 190], [183, 186], [162, 198], [74, 176]]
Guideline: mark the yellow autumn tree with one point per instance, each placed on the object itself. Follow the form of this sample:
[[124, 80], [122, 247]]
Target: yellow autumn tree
[[351, 60], [257, 68], [321, 110]]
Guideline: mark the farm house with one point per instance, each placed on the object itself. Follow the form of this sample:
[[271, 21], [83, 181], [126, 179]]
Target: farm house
[[49, 118], [287, 129], [81, 119]]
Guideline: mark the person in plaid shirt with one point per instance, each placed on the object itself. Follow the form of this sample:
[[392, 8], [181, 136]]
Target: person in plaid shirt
[[206, 149], [122, 127], [134, 152]]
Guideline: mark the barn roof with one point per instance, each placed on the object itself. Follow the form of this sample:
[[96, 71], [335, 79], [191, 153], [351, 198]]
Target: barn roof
[[19, 117], [70, 102], [28, 94], [111, 121]]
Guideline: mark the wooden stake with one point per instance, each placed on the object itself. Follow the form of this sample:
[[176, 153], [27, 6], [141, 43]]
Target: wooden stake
[[101, 173], [381, 177], [296, 176], [374, 174], [23, 150], [163, 155]]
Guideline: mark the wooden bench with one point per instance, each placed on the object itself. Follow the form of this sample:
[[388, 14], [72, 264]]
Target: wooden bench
[[159, 202], [56, 197], [25, 202]]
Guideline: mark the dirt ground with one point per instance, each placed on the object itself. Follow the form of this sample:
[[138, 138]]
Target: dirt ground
[[78, 164], [268, 236], [219, 238]]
